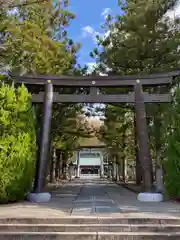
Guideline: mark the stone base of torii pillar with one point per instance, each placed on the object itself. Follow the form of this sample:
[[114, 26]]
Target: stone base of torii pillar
[[39, 197], [150, 197]]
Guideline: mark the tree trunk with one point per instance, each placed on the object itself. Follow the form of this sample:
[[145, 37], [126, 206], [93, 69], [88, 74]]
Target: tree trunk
[[61, 166], [159, 172], [64, 171], [143, 138], [52, 167], [51, 174], [123, 159], [114, 170], [64, 166], [119, 171], [57, 165], [123, 170]]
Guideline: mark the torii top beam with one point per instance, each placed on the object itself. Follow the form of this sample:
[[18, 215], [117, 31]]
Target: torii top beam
[[99, 81]]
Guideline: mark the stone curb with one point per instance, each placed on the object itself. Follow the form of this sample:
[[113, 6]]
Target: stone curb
[[90, 233]]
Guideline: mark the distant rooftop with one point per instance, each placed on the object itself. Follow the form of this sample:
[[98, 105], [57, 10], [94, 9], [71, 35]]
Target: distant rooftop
[[91, 142]]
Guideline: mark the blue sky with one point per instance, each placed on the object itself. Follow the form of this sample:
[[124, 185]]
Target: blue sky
[[90, 14]]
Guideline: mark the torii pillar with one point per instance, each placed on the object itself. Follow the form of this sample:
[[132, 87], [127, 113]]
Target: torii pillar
[[44, 146], [143, 138]]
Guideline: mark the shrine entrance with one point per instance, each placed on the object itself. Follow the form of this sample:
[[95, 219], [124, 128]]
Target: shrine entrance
[[139, 93], [90, 162]]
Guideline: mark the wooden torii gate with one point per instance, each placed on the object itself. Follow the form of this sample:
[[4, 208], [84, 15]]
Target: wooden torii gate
[[136, 96]]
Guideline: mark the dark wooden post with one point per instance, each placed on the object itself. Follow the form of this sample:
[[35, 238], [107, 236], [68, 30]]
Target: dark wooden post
[[143, 138], [61, 165], [52, 160], [57, 167], [44, 139], [138, 165], [123, 158]]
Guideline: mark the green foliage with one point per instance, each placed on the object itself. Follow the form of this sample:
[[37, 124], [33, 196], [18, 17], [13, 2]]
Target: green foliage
[[141, 41], [172, 161], [117, 133], [17, 143], [37, 36]]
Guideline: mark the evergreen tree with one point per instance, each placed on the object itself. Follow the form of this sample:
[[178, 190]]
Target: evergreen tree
[[171, 161], [31, 35], [17, 143], [118, 136], [143, 40], [34, 40]]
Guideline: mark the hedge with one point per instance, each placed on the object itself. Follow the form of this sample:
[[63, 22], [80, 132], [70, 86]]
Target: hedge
[[17, 143]]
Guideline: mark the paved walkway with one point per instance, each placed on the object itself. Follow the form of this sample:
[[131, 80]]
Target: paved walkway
[[101, 198], [94, 197], [60, 205]]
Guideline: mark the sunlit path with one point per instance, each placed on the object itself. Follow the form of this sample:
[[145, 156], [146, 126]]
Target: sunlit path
[[99, 197], [90, 209], [90, 197]]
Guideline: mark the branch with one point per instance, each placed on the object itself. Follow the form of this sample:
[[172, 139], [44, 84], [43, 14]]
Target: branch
[[23, 4]]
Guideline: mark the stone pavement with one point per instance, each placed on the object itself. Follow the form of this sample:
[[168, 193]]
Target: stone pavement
[[60, 205], [91, 197], [104, 198]]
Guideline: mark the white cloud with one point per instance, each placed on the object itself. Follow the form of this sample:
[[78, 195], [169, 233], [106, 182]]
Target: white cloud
[[89, 31], [91, 66], [105, 35], [175, 12], [106, 12]]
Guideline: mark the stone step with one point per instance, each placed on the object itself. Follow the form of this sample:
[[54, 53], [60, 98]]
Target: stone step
[[89, 236], [89, 228], [92, 220]]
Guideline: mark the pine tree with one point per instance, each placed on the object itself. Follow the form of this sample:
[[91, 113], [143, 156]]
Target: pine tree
[[35, 41], [117, 134], [171, 161], [31, 35], [143, 40]]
